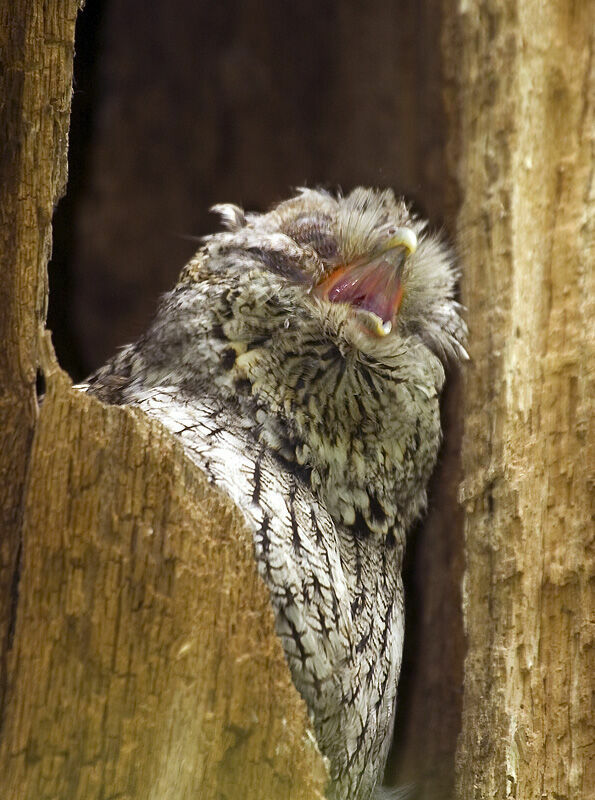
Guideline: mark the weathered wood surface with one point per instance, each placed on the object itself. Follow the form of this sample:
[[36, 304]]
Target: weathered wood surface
[[522, 95]]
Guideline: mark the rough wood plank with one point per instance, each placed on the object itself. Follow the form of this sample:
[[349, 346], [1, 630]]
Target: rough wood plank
[[144, 663], [523, 92], [36, 46]]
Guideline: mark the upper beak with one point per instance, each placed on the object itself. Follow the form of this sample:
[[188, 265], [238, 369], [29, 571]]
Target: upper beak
[[402, 237]]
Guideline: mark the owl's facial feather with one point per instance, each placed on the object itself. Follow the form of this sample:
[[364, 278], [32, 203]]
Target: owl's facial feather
[[366, 252]]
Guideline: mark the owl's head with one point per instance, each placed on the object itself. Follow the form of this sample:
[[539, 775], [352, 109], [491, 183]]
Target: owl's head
[[362, 267], [325, 324]]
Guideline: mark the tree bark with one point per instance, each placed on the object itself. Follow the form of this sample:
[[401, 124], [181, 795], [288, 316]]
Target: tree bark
[[139, 658], [521, 97], [35, 89]]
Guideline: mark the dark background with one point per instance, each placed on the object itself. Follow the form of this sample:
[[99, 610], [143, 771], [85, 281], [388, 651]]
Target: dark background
[[180, 104]]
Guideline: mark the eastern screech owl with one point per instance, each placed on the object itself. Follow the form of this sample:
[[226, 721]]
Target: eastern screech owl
[[300, 359]]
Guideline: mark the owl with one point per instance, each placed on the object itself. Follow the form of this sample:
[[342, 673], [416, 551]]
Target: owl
[[300, 360]]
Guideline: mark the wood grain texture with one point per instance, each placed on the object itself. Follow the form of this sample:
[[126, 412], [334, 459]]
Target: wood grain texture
[[36, 46], [522, 92], [144, 663]]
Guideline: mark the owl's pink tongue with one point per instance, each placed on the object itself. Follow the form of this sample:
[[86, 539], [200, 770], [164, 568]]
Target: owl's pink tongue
[[375, 287]]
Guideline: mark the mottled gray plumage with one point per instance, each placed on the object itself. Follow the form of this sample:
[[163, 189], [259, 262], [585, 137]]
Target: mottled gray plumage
[[300, 359]]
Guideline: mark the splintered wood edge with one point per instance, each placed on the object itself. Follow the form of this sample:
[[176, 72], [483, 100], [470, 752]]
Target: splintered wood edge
[[144, 662]]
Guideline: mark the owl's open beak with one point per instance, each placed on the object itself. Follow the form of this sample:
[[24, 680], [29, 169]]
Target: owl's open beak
[[373, 283]]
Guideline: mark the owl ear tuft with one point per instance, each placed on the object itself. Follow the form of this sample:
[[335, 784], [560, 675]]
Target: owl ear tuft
[[232, 217]]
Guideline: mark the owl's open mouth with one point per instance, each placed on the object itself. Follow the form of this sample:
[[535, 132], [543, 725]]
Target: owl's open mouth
[[373, 284]]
